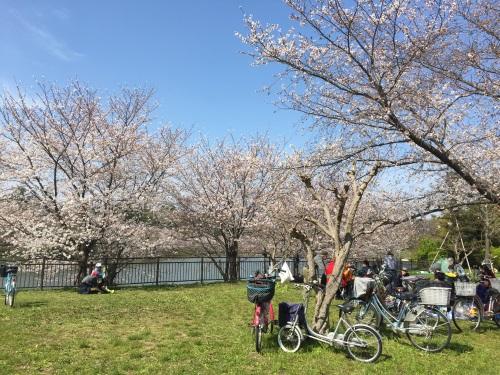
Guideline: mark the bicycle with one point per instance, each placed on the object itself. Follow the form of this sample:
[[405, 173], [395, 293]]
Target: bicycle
[[468, 311], [426, 327], [363, 342], [260, 291], [9, 274]]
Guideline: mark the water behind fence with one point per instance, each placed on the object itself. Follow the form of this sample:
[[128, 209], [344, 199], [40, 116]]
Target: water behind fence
[[46, 273]]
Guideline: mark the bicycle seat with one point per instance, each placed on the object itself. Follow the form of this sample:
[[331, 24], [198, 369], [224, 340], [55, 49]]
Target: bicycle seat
[[347, 308]]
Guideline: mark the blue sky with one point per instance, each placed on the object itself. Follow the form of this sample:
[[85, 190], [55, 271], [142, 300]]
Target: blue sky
[[186, 50]]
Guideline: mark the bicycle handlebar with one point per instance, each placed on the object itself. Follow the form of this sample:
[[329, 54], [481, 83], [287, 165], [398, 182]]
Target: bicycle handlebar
[[309, 286]]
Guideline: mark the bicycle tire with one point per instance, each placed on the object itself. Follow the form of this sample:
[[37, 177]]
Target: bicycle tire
[[9, 299], [258, 338], [496, 310], [362, 334], [289, 339], [430, 323], [363, 313], [467, 313]]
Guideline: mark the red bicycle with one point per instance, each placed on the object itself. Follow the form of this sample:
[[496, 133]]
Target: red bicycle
[[260, 291]]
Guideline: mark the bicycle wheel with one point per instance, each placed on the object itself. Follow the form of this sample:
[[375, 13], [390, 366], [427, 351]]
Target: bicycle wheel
[[258, 338], [496, 310], [364, 343], [289, 339], [363, 313], [466, 313], [9, 299], [430, 331]]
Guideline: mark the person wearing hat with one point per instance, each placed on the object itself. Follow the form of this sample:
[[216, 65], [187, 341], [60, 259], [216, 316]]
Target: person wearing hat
[[398, 282], [95, 280]]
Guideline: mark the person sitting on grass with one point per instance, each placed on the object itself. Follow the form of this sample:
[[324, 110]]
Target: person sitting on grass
[[398, 281], [484, 289], [366, 270], [95, 282]]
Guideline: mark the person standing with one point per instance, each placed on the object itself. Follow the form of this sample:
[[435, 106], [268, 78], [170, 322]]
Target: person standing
[[390, 261], [320, 261]]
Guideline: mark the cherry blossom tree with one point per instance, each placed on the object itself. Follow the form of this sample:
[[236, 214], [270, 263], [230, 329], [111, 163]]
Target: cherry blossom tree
[[78, 171], [337, 207], [356, 209], [222, 191], [415, 80]]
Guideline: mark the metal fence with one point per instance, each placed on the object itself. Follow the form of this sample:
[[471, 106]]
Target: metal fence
[[45, 273]]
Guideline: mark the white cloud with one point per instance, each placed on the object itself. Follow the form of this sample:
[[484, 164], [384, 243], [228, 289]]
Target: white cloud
[[47, 40]]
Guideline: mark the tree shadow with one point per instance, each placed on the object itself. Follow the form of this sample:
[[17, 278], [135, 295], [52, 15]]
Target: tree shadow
[[29, 304], [310, 345], [459, 347], [487, 326], [384, 357]]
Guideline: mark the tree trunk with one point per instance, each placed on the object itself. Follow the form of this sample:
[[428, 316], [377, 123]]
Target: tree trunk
[[324, 299], [231, 262], [85, 250], [114, 262], [306, 242], [487, 241], [111, 272], [311, 266]]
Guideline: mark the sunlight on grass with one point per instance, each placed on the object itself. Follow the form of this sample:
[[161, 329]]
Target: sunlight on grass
[[201, 329]]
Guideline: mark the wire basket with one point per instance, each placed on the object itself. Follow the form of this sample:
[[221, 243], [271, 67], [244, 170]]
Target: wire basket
[[260, 290], [465, 289], [435, 296], [495, 284]]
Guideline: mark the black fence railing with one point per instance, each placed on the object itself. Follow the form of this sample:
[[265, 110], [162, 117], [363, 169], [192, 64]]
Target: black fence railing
[[47, 273]]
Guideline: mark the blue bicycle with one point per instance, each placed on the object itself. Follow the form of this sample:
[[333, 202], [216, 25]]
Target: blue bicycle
[[9, 283]]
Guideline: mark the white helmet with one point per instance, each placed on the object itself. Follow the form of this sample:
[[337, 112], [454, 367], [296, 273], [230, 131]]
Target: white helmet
[[98, 265]]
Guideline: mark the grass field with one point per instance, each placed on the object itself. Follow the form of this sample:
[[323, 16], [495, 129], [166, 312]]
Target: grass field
[[194, 330]]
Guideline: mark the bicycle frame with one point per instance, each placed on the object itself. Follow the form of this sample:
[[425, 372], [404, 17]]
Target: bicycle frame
[[10, 283], [10, 288], [396, 323], [332, 337], [386, 315], [263, 314]]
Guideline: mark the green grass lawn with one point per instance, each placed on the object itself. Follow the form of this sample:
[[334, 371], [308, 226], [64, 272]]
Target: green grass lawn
[[194, 330]]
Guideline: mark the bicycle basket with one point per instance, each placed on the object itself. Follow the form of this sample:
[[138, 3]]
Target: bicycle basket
[[363, 286], [260, 290], [435, 296], [288, 312], [465, 289]]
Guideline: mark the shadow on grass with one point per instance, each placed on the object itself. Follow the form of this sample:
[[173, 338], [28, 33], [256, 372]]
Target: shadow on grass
[[29, 304], [487, 326], [310, 345], [459, 348], [195, 285]]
